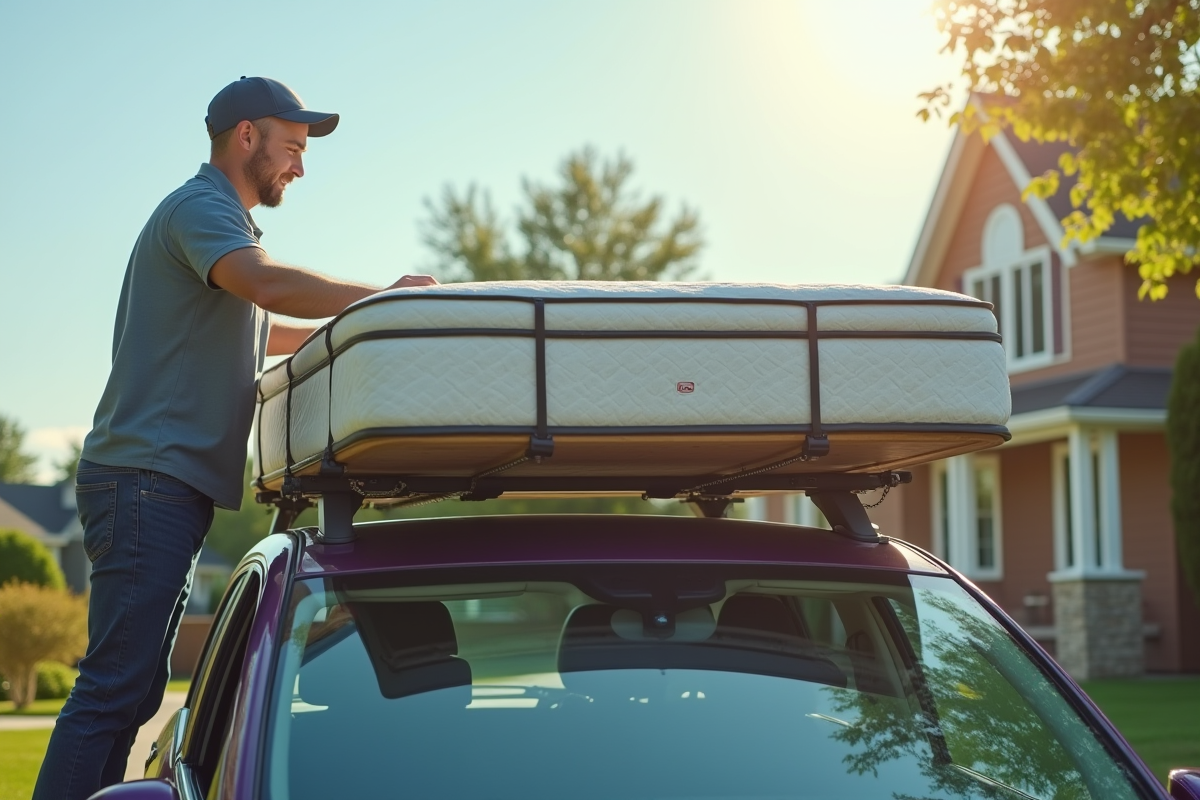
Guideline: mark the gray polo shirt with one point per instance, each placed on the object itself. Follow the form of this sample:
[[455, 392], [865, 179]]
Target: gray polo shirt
[[180, 397]]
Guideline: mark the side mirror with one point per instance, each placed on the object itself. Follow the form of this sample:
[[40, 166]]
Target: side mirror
[[138, 790], [1184, 784]]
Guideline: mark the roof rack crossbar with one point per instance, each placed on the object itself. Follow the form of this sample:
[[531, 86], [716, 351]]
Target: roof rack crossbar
[[296, 487]]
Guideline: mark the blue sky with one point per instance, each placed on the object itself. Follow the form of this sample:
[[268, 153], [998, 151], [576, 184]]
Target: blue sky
[[789, 126]]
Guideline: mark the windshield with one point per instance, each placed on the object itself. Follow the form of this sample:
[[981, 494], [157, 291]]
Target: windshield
[[667, 683]]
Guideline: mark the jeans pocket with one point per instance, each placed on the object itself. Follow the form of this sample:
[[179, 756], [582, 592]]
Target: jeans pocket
[[97, 504], [172, 490]]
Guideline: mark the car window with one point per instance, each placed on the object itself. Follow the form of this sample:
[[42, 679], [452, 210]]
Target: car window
[[740, 683], [216, 682]]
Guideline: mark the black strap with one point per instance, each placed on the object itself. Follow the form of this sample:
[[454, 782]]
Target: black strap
[[258, 431], [816, 444], [328, 465], [287, 429], [541, 443]]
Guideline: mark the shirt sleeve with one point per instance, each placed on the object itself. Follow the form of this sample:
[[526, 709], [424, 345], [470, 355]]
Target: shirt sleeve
[[205, 228]]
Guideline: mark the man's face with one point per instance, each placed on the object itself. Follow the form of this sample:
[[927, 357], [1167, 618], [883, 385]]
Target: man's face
[[277, 158]]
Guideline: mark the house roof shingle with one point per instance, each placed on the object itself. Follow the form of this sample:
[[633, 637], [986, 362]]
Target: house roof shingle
[[1115, 386], [42, 504]]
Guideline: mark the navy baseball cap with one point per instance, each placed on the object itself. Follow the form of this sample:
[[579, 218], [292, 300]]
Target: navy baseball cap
[[255, 98]]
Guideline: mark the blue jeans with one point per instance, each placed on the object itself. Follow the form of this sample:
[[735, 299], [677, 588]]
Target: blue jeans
[[142, 531]]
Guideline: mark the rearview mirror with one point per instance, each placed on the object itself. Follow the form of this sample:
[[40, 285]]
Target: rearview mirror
[[138, 790], [1184, 784]]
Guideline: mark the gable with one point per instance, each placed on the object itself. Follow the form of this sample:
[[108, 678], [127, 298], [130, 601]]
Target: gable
[[991, 186]]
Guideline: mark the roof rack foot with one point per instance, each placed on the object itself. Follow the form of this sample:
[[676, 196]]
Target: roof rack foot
[[846, 515], [711, 507], [336, 512], [286, 511]]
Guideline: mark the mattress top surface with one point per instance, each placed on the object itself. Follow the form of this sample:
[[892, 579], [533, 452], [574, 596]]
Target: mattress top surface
[[624, 290]]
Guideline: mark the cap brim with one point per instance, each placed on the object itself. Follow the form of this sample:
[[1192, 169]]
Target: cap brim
[[319, 124]]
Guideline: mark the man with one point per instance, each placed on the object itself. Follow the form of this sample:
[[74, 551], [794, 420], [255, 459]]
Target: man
[[169, 437]]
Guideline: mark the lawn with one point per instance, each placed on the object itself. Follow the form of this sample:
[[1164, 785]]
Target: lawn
[[1159, 717], [20, 758], [37, 708]]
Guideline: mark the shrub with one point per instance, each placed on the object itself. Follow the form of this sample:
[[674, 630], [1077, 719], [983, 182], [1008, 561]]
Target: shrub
[[37, 623], [1183, 440], [23, 558], [54, 680]]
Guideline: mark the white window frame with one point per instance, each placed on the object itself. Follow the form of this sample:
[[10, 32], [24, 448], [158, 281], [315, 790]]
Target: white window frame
[[1008, 323], [942, 534]]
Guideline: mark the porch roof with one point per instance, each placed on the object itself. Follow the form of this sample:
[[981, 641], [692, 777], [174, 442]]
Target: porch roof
[[1114, 386]]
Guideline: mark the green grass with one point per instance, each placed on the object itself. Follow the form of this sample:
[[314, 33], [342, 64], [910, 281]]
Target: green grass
[[20, 758], [38, 708], [1157, 716], [180, 685]]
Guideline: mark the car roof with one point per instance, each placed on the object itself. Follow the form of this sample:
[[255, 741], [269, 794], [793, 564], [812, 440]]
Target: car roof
[[557, 539]]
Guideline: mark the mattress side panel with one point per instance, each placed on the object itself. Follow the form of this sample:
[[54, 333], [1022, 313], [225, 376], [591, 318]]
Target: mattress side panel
[[433, 313], [636, 382], [906, 318], [272, 423], [675, 316], [454, 380], [310, 415], [913, 381]]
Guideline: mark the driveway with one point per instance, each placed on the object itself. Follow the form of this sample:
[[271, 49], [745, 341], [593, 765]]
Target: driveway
[[172, 701]]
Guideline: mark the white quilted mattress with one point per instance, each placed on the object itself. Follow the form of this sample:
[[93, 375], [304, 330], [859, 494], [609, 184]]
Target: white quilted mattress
[[672, 378]]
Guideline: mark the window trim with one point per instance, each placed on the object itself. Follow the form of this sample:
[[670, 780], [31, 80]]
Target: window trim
[[995, 572], [1007, 322], [942, 535]]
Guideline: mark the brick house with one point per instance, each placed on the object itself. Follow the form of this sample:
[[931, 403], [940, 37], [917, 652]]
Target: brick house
[[1067, 526]]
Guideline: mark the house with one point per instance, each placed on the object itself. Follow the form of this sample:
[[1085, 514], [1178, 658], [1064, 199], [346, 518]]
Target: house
[[1068, 525], [49, 514]]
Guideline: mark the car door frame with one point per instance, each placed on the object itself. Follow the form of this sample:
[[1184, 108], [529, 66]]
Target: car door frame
[[235, 667]]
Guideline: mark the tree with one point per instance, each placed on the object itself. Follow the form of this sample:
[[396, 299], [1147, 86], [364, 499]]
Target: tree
[[1115, 78], [25, 559], [16, 466], [1183, 441], [589, 226], [69, 464], [37, 623]]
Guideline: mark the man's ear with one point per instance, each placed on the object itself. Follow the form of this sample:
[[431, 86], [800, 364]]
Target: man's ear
[[244, 135]]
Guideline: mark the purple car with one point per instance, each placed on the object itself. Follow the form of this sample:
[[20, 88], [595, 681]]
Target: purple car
[[603, 657]]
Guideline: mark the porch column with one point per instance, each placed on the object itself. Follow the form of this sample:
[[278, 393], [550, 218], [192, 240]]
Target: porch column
[[1097, 603], [1111, 557], [1081, 487]]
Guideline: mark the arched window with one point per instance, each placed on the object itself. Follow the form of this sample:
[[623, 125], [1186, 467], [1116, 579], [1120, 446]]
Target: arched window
[[1018, 283]]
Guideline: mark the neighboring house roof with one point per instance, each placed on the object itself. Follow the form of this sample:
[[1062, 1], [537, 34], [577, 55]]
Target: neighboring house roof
[[13, 518], [1116, 386], [41, 504], [1041, 156]]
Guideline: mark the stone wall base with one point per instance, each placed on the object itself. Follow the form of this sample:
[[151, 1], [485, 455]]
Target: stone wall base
[[1098, 626]]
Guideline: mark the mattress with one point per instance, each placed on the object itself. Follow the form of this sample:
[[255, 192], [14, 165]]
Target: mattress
[[590, 379]]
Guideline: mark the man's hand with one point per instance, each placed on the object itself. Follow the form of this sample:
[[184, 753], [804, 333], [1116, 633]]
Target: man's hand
[[414, 280]]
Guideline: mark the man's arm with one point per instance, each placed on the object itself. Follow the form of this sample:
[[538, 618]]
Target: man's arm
[[279, 288], [285, 338]]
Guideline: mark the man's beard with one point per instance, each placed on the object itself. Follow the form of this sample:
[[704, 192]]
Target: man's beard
[[265, 182]]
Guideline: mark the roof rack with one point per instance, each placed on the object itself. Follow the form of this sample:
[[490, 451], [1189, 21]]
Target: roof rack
[[339, 496]]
